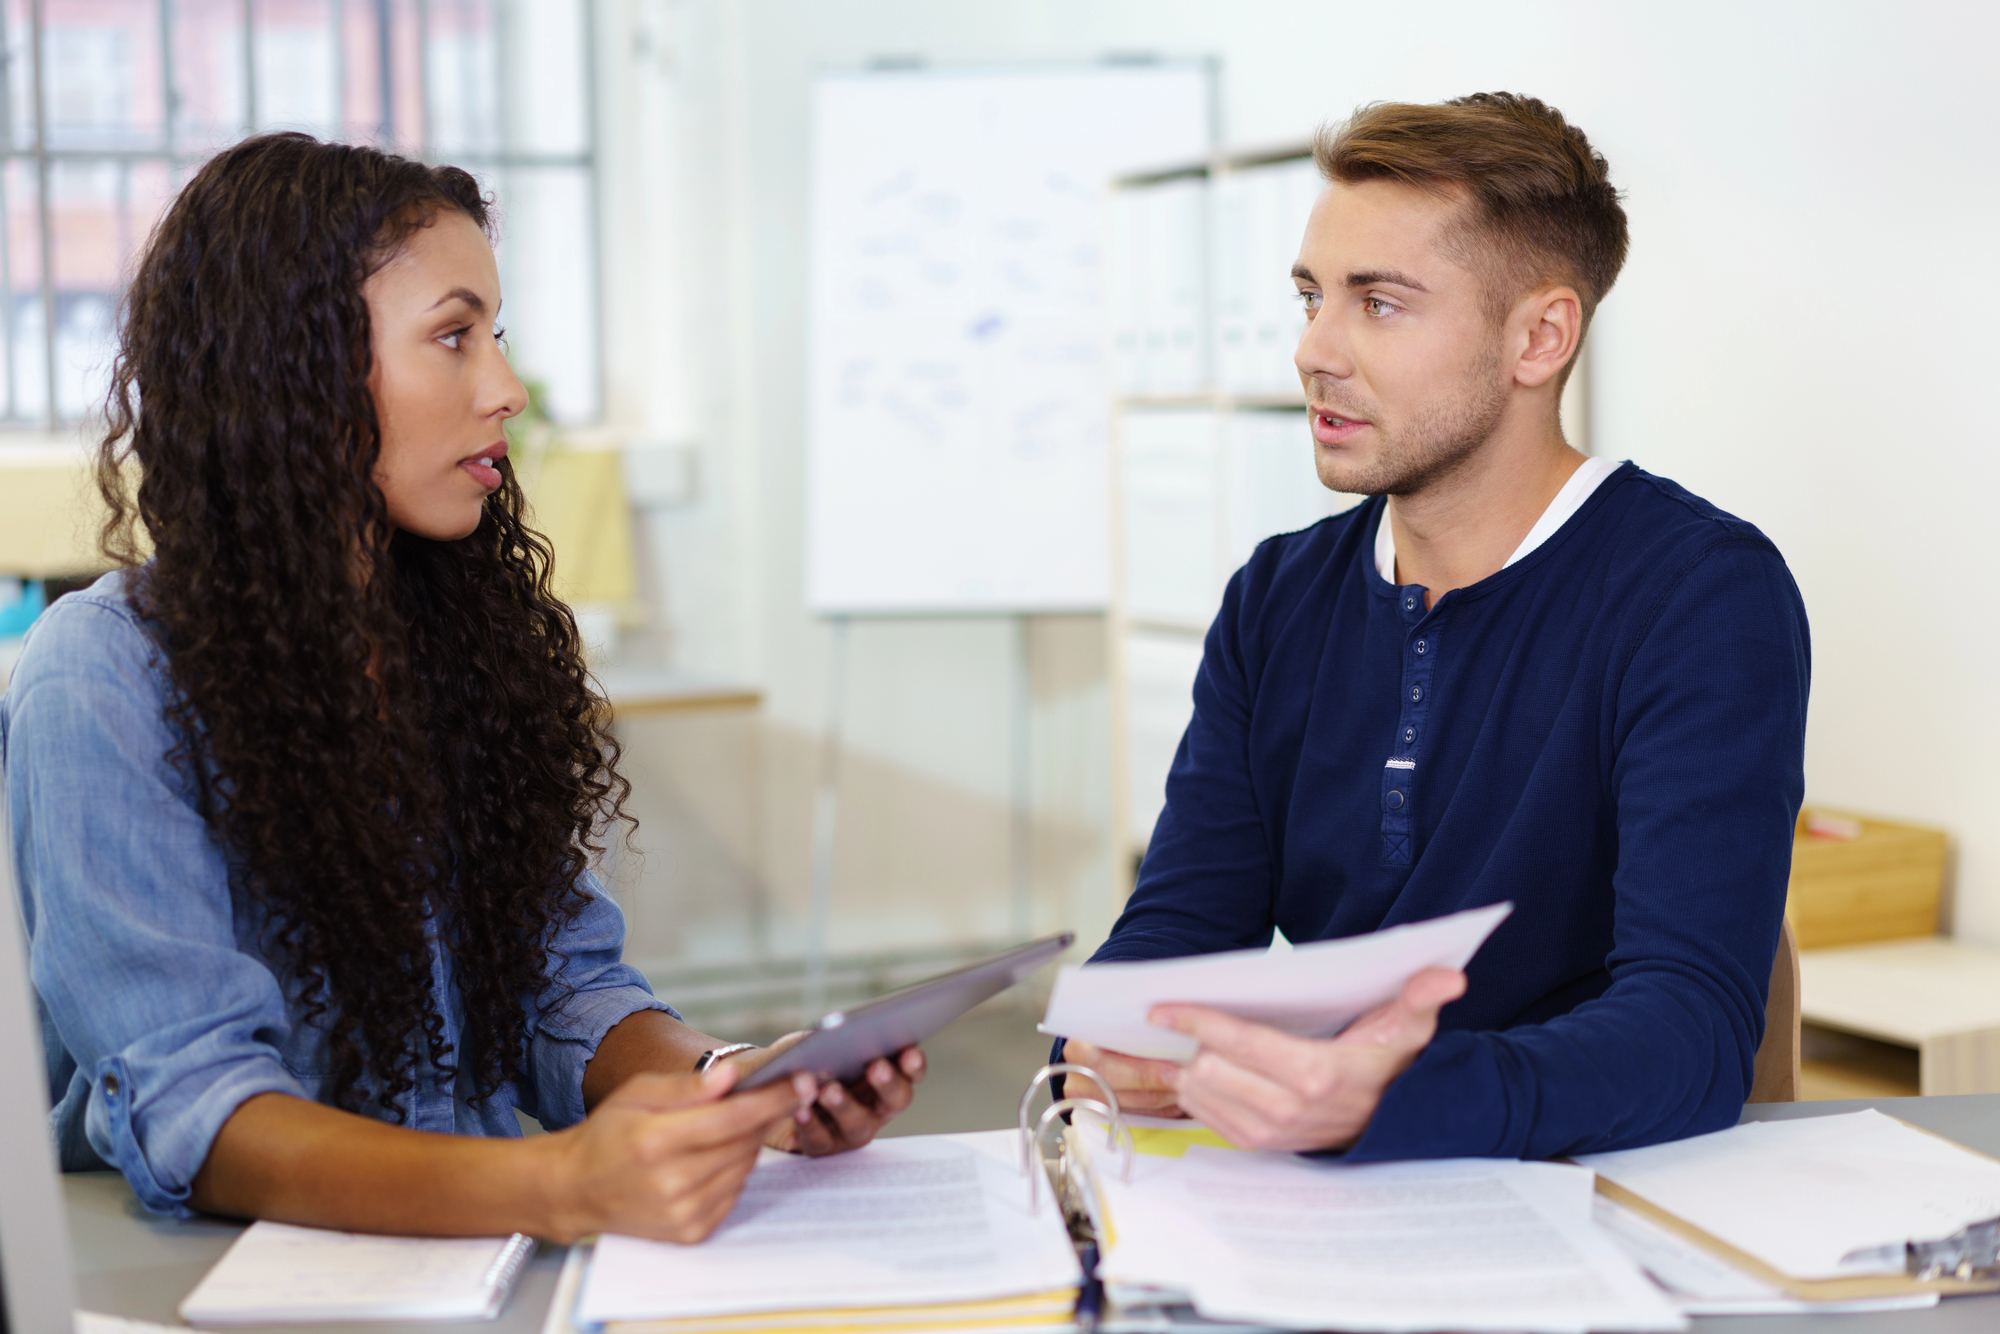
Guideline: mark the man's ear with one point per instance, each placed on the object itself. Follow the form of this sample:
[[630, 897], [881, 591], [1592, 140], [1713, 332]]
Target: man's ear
[[1549, 325]]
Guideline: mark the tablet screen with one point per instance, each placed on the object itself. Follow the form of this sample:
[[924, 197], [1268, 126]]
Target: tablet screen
[[841, 1045]]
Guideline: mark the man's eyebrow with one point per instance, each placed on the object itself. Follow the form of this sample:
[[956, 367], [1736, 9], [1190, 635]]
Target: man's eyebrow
[[1303, 274], [1395, 278], [465, 294]]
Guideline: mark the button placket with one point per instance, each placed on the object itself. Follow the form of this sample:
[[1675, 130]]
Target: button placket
[[1400, 770]]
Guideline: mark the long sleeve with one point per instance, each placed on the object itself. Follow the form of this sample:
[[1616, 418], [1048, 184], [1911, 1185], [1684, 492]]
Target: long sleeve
[[166, 1026], [1208, 881], [590, 990], [1706, 727]]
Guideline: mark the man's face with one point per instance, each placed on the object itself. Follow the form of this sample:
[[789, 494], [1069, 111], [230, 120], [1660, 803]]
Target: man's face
[[1401, 365]]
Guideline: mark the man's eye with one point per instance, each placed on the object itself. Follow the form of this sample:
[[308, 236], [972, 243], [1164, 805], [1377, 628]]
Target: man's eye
[[1374, 305], [1310, 300]]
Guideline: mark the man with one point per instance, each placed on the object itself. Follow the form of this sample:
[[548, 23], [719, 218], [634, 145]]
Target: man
[[1517, 674]]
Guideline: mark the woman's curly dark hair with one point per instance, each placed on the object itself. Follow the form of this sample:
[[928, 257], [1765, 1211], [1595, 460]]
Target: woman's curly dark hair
[[394, 738]]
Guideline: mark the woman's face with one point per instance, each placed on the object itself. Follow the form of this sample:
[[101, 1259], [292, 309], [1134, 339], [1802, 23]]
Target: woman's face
[[442, 386]]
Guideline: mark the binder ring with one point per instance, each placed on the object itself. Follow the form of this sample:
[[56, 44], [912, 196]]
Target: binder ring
[[1031, 1141], [1043, 1076], [1116, 1131]]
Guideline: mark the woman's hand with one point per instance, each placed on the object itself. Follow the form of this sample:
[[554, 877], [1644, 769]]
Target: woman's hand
[[835, 1117], [664, 1156]]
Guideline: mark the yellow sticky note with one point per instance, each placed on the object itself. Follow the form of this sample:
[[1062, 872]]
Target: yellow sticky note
[[1162, 1142]]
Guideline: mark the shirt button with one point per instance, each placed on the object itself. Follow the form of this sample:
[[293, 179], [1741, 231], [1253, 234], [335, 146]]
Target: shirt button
[[1421, 646], [1395, 801], [1416, 693], [111, 1086], [1409, 735], [1409, 604]]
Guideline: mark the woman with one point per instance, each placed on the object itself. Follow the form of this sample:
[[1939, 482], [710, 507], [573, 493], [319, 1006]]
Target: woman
[[303, 803]]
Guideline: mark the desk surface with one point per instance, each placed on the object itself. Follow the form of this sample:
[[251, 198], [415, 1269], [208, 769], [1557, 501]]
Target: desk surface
[[132, 1264]]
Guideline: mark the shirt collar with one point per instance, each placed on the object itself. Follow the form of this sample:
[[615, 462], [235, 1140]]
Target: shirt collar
[[1568, 501]]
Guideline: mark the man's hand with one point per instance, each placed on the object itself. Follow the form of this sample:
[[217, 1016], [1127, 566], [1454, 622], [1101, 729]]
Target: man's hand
[[835, 1117], [1142, 1086], [1263, 1089]]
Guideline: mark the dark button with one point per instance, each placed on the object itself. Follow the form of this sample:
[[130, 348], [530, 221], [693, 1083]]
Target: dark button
[[1395, 801], [1416, 693], [1409, 735], [1421, 646], [111, 1086]]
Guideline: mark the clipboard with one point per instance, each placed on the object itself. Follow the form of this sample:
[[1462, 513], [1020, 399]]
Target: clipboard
[[1850, 1288]]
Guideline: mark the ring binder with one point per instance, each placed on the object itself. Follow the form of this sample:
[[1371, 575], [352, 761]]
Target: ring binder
[[1031, 1141]]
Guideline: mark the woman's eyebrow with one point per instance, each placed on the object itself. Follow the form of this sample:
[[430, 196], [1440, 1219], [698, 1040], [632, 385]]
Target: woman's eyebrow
[[465, 294]]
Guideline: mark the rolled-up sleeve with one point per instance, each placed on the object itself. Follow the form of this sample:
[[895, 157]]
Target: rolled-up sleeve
[[132, 934], [591, 988]]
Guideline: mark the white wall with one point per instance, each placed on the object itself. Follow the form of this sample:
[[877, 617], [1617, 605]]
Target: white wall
[[1802, 334]]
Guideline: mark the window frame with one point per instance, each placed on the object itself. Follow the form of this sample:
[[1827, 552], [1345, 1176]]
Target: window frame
[[44, 159]]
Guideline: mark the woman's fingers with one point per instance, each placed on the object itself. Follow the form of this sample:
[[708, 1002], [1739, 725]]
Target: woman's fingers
[[666, 1093], [746, 1116], [847, 1116]]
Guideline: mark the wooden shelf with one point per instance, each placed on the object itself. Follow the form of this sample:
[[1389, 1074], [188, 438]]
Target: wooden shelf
[[1933, 994]]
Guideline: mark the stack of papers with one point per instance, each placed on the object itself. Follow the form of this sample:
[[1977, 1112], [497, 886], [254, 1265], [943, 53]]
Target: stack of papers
[[1278, 1240], [1314, 990], [927, 1232]]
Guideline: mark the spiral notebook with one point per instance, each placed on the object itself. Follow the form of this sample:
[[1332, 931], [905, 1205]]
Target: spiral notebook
[[280, 1274]]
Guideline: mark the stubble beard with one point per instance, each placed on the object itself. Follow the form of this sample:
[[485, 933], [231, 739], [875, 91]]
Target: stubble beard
[[1431, 446]]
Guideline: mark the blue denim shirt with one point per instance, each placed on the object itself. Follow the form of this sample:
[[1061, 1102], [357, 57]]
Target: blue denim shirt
[[160, 1015]]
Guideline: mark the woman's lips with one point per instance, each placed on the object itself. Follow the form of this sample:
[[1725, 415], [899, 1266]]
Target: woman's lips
[[483, 470], [1330, 428]]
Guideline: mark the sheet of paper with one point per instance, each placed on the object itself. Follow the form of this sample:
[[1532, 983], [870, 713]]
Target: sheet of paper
[[1703, 1284], [1315, 990], [1801, 1194], [1468, 1244], [923, 1220], [275, 1273]]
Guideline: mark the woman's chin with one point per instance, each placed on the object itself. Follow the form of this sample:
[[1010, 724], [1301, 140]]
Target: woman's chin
[[444, 524]]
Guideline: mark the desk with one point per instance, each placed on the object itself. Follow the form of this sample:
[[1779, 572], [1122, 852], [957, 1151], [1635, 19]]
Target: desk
[[131, 1264], [1933, 993]]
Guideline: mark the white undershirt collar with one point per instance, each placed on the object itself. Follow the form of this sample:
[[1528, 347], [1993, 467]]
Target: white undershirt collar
[[1567, 502]]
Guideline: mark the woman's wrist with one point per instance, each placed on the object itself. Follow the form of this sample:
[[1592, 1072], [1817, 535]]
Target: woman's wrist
[[559, 1212]]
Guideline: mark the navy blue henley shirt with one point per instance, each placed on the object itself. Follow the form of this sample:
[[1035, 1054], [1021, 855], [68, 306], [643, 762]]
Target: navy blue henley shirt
[[1608, 732]]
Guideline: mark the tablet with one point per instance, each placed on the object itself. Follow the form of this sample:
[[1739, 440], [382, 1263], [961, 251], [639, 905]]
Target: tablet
[[841, 1045]]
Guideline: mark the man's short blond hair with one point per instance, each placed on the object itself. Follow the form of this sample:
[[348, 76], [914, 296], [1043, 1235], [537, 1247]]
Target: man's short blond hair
[[1539, 204]]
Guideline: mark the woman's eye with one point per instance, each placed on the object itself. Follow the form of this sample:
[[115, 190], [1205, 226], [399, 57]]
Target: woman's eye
[[452, 339], [499, 334]]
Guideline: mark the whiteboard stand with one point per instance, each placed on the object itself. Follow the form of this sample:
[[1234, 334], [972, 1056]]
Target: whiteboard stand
[[826, 810], [1021, 858]]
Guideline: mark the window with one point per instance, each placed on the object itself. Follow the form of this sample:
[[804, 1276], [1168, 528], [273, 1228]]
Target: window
[[108, 106]]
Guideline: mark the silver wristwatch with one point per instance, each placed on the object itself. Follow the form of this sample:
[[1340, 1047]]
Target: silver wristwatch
[[714, 1054]]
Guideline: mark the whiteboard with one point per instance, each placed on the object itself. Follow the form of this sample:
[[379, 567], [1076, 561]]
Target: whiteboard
[[959, 394]]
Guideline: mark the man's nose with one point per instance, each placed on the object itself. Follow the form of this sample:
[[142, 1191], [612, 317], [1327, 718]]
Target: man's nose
[[1321, 350]]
